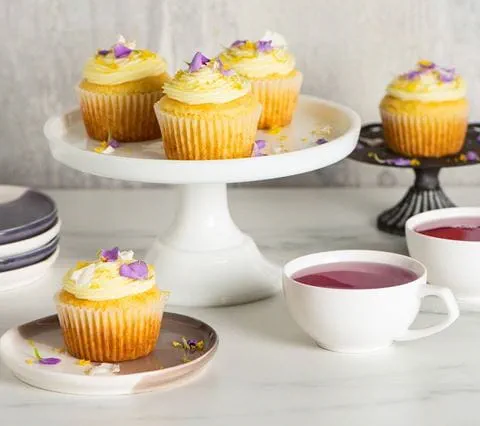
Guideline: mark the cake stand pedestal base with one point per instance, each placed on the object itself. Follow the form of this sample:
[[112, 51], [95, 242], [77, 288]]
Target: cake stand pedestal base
[[204, 259], [425, 194]]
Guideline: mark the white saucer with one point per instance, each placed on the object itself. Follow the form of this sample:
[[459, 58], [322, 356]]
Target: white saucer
[[23, 276], [29, 244]]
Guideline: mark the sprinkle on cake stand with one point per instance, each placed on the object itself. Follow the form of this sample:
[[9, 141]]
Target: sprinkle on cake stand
[[426, 193]]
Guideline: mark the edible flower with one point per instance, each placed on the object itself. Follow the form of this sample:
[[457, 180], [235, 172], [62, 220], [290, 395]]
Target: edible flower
[[40, 359], [103, 52], [198, 61], [122, 48], [223, 71], [264, 46], [121, 51], [320, 141], [107, 147], [472, 156], [109, 255], [412, 75], [258, 148], [238, 43], [114, 143], [444, 75], [189, 346], [137, 270], [399, 162]]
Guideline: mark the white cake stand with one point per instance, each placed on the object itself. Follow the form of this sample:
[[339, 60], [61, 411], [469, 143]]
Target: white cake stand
[[203, 258]]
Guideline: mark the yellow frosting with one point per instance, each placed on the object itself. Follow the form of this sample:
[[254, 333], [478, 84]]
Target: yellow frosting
[[109, 70], [247, 60], [428, 83], [206, 86], [99, 280]]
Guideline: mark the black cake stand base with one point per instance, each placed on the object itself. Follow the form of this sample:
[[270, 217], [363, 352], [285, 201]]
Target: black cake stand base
[[426, 193]]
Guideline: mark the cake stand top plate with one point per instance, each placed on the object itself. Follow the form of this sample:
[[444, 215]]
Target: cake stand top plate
[[291, 150], [372, 149]]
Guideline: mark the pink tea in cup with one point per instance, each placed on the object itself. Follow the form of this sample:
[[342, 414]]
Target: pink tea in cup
[[460, 229], [354, 275]]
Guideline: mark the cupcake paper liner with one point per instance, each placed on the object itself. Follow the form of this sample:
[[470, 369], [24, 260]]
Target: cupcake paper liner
[[125, 117], [111, 334], [424, 129], [210, 137], [279, 98], [424, 136]]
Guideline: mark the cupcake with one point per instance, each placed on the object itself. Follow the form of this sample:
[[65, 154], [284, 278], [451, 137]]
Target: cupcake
[[425, 112], [208, 113], [117, 93], [110, 309], [271, 69]]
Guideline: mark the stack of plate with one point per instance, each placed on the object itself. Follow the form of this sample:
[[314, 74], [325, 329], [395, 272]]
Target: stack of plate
[[29, 234]]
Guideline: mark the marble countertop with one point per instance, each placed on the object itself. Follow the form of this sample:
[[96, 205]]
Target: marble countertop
[[266, 371]]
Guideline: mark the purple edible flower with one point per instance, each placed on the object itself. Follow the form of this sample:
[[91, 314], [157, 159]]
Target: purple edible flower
[[412, 75], [472, 156], [121, 51], [447, 78], [114, 143], [320, 141], [137, 270], [264, 46], [192, 342], [109, 255], [238, 43], [258, 147], [103, 52], [40, 359], [198, 62], [49, 361], [398, 161], [223, 71], [447, 70]]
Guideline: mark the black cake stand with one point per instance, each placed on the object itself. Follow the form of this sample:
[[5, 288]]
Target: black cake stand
[[426, 192]]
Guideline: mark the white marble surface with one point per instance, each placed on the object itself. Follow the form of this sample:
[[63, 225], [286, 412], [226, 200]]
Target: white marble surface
[[266, 372], [348, 51]]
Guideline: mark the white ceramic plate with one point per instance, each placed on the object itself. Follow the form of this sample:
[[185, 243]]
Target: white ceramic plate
[[20, 277], [7, 250], [292, 150], [166, 365]]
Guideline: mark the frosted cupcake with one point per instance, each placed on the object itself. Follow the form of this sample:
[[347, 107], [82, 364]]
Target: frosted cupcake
[[271, 69], [208, 113], [425, 112], [110, 309], [118, 90]]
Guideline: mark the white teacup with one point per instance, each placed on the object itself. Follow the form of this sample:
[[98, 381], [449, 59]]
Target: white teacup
[[450, 263], [362, 320]]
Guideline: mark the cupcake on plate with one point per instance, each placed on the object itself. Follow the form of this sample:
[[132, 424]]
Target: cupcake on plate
[[118, 90], [208, 113], [425, 112], [110, 309], [271, 69]]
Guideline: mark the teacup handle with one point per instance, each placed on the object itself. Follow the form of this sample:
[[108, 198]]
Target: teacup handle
[[452, 313]]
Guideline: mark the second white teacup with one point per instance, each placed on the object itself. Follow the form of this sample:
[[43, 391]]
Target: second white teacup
[[362, 320]]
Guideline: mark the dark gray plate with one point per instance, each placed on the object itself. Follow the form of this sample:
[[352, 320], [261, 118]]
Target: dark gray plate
[[24, 213], [30, 257]]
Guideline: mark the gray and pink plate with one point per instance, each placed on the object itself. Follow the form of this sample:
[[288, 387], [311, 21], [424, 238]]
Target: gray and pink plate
[[170, 363]]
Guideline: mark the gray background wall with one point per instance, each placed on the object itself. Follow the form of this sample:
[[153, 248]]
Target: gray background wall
[[347, 49]]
